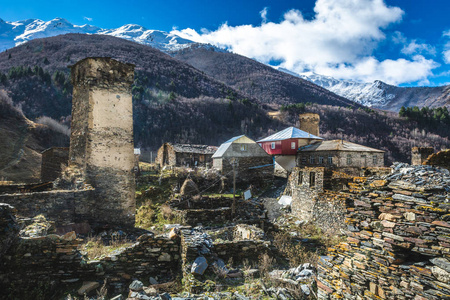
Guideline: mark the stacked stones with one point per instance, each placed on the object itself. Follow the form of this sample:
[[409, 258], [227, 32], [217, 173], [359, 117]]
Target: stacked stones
[[398, 239], [33, 262]]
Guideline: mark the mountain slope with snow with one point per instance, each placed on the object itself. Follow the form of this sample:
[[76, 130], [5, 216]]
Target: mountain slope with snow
[[15, 33], [379, 94]]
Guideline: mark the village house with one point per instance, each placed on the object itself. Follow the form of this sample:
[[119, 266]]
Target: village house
[[185, 155], [347, 156], [284, 145], [249, 159]]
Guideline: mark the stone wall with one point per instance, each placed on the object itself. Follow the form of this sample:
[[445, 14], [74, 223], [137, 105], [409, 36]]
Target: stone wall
[[420, 154], [320, 203], [398, 242], [203, 216], [441, 159], [53, 161], [101, 142], [357, 161], [245, 171], [36, 268], [64, 207]]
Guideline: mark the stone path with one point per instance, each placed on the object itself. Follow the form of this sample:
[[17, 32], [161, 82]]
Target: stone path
[[270, 201]]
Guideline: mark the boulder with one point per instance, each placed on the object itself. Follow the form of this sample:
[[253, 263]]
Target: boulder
[[136, 286], [199, 266]]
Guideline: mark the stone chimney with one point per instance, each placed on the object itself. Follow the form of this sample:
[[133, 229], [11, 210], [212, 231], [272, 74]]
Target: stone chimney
[[101, 140], [310, 123], [420, 154]]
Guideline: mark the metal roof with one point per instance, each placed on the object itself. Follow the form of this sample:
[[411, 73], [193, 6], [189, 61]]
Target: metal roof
[[290, 133], [337, 145], [223, 148]]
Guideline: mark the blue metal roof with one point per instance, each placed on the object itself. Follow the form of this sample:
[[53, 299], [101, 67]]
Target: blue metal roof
[[290, 133]]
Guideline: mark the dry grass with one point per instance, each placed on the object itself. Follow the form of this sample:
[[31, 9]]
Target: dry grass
[[265, 265], [145, 216], [166, 212], [96, 248], [294, 252]]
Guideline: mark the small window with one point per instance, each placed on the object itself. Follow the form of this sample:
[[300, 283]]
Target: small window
[[312, 179], [311, 160], [300, 178], [321, 160], [272, 145], [292, 145], [349, 159], [244, 147], [330, 160], [375, 160], [304, 160]]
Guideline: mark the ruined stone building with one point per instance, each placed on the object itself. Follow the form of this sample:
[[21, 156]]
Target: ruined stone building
[[98, 187], [101, 141], [348, 157], [53, 161], [420, 154], [316, 196], [185, 155], [251, 161]]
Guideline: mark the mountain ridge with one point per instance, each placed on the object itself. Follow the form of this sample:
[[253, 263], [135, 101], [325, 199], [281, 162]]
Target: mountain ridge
[[379, 94]]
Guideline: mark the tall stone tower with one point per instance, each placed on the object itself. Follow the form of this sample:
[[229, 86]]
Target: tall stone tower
[[101, 141], [420, 154], [310, 123]]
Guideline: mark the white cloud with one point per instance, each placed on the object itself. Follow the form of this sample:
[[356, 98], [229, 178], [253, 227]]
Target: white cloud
[[263, 14], [88, 19], [339, 41], [416, 48], [446, 52]]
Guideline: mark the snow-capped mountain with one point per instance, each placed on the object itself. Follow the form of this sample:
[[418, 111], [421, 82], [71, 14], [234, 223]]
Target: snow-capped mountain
[[368, 94], [16, 33], [379, 94]]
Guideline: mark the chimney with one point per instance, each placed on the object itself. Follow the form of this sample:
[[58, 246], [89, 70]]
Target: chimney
[[310, 123]]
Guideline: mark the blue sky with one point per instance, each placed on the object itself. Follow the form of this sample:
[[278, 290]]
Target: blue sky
[[403, 42]]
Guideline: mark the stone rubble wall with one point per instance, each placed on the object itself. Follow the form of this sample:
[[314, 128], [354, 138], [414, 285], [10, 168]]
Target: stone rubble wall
[[64, 207], [318, 204], [41, 264], [203, 216], [398, 239]]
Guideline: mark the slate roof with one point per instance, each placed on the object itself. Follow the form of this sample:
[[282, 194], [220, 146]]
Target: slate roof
[[189, 148], [289, 133], [338, 145]]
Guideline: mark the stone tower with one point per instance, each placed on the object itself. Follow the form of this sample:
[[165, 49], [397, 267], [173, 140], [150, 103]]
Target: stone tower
[[310, 123], [101, 140], [420, 154]]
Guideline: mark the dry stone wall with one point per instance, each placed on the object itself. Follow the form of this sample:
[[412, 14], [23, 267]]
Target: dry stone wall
[[398, 239], [64, 207], [39, 266]]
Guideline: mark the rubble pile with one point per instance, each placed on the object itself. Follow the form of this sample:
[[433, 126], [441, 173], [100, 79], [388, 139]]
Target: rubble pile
[[398, 239], [298, 279]]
